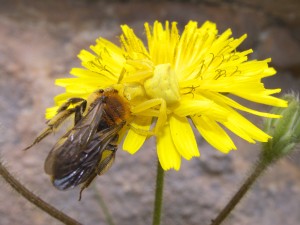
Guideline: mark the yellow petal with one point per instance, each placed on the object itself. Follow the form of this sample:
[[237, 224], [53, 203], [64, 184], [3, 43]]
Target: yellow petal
[[200, 105], [85, 56], [82, 83], [191, 106], [213, 133], [134, 140], [88, 74], [222, 99], [105, 46], [183, 137], [62, 98], [264, 98], [51, 112], [168, 156], [132, 45], [244, 128], [163, 38], [82, 88]]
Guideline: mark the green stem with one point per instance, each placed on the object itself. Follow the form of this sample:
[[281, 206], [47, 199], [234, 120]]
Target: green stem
[[108, 217], [21, 189], [257, 171], [158, 195]]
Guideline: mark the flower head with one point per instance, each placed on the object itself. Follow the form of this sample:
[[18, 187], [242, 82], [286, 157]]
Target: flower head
[[176, 81]]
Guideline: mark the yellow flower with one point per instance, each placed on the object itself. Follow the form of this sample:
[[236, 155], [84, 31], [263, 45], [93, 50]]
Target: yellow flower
[[178, 80]]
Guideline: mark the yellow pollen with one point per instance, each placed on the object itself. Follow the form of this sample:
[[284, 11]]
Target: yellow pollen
[[163, 84]]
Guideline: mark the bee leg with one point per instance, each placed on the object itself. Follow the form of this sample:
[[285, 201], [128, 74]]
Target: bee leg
[[106, 161], [52, 125], [72, 101], [86, 184], [62, 114], [158, 106], [101, 168], [78, 110]]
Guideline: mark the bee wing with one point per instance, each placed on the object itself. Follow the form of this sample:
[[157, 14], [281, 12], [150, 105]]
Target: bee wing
[[68, 171], [75, 141]]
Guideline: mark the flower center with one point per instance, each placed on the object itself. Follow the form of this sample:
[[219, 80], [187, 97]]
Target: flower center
[[163, 84]]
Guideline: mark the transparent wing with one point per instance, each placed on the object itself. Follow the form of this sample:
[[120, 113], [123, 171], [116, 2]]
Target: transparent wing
[[75, 141], [68, 174]]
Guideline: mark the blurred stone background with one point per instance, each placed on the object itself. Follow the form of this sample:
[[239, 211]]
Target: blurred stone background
[[39, 41]]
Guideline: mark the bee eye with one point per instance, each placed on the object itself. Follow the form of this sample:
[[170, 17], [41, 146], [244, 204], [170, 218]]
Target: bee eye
[[101, 91]]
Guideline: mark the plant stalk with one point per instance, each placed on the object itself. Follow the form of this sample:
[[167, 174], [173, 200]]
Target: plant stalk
[[257, 171], [158, 195], [103, 206], [21, 189]]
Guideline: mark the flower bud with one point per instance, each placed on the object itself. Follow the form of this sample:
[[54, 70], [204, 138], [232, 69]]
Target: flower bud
[[285, 131]]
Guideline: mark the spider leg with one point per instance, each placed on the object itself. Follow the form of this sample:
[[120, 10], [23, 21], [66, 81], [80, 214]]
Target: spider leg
[[148, 108]]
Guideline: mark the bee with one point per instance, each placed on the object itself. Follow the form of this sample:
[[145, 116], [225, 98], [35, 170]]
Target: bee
[[87, 149]]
